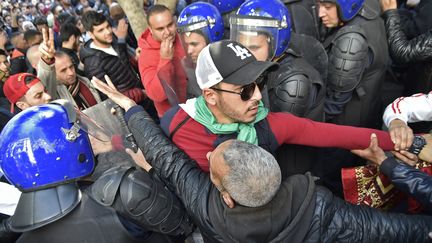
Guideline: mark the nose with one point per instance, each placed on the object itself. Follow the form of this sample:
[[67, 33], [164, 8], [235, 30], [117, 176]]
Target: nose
[[166, 32], [190, 50], [321, 11], [257, 94], [108, 31], [47, 97], [71, 71]]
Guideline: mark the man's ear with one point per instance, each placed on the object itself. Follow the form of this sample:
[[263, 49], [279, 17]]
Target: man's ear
[[91, 35], [22, 105], [227, 199], [209, 96]]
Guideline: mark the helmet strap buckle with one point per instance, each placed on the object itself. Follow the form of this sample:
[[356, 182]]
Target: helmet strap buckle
[[73, 133]]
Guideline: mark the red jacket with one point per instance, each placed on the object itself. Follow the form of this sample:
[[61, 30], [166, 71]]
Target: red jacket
[[153, 68], [282, 128]]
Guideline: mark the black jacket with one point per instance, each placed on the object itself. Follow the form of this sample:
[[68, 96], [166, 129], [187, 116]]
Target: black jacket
[[300, 211], [98, 63], [418, 21], [403, 50], [409, 180], [416, 52]]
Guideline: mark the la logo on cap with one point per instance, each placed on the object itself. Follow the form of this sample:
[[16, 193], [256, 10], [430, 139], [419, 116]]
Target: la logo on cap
[[239, 51]]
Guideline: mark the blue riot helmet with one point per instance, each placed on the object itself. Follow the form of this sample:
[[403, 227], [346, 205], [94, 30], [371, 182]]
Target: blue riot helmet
[[198, 25], [259, 20], [203, 18], [347, 9], [226, 6], [46, 146]]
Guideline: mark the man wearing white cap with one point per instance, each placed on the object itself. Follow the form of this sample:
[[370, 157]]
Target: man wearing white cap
[[230, 107]]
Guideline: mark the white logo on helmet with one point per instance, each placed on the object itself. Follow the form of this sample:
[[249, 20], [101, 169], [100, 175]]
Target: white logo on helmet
[[239, 51]]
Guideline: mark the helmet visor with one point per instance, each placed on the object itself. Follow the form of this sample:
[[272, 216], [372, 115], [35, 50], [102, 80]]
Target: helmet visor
[[258, 34]]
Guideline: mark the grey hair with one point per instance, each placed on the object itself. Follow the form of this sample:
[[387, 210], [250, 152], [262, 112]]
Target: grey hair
[[254, 176]]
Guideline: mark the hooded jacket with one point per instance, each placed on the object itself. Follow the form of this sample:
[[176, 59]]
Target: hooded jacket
[[159, 73]]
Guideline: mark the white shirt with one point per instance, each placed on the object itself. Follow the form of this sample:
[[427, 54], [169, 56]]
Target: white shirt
[[414, 108], [110, 50]]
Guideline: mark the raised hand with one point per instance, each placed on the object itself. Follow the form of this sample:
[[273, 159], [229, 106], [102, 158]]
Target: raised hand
[[167, 47], [388, 4], [46, 48], [110, 90], [122, 29]]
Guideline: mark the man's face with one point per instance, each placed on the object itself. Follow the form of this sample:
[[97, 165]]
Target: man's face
[[8, 20], [58, 10], [36, 95], [20, 21], [328, 14], [232, 108], [25, 9], [102, 34], [4, 65], [258, 45], [193, 44], [65, 70], [162, 26]]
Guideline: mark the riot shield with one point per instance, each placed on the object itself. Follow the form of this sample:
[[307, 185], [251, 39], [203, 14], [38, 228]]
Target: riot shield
[[169, 85], [192, 89], [112, 153]]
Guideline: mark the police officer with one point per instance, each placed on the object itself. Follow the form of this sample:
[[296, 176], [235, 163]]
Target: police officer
[[45, 150], [263, 26], [356, 44], [198, 24], [357, 48]]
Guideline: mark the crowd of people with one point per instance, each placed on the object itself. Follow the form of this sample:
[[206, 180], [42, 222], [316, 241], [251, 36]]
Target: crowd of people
[[236, 121]]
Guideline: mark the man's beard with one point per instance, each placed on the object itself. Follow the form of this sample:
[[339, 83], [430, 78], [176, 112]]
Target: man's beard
[[103, 41]]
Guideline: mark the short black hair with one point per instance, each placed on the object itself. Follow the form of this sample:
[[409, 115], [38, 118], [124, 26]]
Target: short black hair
[[155, 9], [67, 30], [41, 20], [31, 34], [93, 18], [63, 17]]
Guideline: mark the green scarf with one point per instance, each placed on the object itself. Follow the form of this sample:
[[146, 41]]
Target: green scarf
[[246, 131]]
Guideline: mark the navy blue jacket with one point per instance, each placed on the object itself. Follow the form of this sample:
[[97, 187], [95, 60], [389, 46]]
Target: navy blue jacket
[[409, 180]]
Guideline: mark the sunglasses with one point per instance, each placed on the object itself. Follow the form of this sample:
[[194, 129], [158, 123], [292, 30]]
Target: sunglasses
[[247, 90]]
